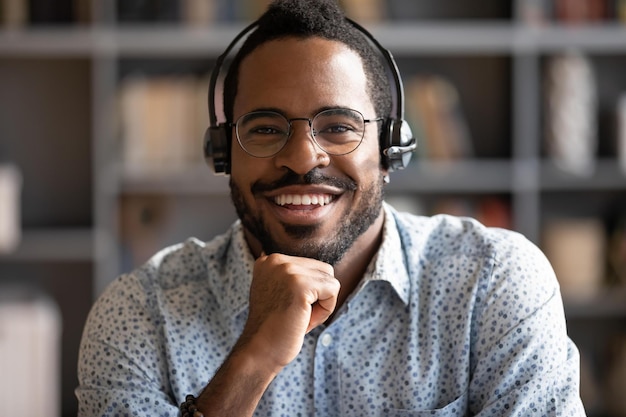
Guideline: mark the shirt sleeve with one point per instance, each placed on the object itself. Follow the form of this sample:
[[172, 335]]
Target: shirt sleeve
[[523, 362], [122, 368]]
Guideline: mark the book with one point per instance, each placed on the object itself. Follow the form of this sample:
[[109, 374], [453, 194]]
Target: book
[[161, 122], [248, 10], [364, 10], [580, 11], [434, 111], [492, 211], [570, 12], [144, 220], [620, 146], [620, 11], [10, 207], [571, 105], [198, 13], [83, 11], [14, 13], [576, 248], [534, 12], [30, 353]]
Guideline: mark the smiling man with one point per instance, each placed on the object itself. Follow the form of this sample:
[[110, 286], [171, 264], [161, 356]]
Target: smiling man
[[323, 300], [309, 85]]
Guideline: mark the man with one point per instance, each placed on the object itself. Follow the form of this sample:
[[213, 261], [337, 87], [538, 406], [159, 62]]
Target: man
[[323, 300]]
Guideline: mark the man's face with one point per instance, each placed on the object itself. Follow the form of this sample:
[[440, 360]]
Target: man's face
[[303, 201]]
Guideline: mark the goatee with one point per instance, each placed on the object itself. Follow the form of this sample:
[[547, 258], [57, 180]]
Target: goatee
[[354, 221]]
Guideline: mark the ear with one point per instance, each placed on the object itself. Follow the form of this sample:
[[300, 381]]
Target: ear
[[216, 149]]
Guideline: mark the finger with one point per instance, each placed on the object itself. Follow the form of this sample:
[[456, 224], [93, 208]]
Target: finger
[[325, 304]]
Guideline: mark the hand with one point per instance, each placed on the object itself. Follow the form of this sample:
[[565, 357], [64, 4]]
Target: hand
[[289, 297]]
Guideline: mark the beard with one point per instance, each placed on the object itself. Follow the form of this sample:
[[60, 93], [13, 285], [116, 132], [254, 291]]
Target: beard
[[329, 249]]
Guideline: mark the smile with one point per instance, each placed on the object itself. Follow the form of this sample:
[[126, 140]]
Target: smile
[[303, 199]]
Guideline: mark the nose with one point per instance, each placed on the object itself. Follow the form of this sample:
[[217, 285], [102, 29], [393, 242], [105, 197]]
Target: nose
[[301, 153]]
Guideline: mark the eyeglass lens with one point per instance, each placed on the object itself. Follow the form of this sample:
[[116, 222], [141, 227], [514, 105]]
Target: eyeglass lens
[[336, 131]]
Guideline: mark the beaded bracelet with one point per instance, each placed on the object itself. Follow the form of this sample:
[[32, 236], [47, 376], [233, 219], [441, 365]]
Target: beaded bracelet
[[188, 408]]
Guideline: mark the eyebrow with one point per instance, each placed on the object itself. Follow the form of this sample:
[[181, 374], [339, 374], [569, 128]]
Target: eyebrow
[[283, 113]]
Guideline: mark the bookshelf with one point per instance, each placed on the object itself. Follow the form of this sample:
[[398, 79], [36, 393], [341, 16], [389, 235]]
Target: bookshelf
[[87, 215]]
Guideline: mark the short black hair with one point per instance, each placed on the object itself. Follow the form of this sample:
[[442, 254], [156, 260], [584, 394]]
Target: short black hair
[[305, 19]]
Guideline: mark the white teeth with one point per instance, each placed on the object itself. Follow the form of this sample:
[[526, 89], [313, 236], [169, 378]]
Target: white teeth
[[303, 200]]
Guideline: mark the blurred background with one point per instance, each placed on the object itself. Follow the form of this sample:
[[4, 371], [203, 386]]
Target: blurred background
[[519, 108]]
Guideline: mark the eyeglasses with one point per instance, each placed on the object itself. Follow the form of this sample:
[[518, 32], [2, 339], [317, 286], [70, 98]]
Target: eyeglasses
[[336, 131]]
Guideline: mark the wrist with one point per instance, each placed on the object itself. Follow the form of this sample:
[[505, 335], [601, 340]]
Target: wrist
[[237, 387], [256, 357]]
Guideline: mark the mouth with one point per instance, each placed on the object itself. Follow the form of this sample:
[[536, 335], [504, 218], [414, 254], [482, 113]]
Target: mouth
[[305, 200], [303, 207]]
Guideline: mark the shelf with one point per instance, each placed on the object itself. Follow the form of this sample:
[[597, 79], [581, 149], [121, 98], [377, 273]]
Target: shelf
[[603, 38], [51, 42], [402, 38], [608, 304], [503, 112], [159, 40], [196, 179], [607, 175], [53, 245], [482, 176], [465, 176], [446, 37]]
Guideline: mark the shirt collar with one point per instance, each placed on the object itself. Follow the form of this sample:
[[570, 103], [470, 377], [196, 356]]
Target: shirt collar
[[387, 265], [231, 274]]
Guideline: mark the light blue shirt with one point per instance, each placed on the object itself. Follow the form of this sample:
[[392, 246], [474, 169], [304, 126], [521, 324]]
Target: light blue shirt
[[451, 319]]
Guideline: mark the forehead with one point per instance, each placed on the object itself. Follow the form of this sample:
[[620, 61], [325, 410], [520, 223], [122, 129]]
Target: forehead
[[300, 75]]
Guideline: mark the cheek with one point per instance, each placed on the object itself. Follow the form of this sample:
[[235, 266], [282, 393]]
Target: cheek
[[367, 158], [243, 166], [242, 172]]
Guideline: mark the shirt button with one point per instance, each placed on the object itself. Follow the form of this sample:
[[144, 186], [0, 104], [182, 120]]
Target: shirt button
[[327, 340]]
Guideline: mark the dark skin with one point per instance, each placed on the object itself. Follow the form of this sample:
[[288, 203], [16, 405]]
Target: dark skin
[[291, 295]]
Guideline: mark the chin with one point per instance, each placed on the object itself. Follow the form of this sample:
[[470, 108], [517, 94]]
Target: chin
[[317, 241]]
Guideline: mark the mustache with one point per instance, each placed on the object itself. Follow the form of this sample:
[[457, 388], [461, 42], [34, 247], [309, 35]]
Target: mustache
[[313, 177]]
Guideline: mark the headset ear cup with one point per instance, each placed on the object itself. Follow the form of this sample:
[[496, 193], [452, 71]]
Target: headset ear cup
[[406, 134], [408, 142], [384, 142], [217, 150], [397, 144]]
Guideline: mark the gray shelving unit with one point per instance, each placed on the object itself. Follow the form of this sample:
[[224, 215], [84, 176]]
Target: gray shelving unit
[[56, 251]]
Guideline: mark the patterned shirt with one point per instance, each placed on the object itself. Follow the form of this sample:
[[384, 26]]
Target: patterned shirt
[[451, 319]]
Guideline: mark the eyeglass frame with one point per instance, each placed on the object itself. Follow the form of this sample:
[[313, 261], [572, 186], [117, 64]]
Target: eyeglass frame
[[311, 132]]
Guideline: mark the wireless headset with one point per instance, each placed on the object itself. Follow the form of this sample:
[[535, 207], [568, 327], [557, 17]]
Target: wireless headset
[[396, 140]]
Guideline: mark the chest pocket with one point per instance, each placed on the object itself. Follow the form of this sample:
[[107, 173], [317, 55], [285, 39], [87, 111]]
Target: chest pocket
[[457, 408]]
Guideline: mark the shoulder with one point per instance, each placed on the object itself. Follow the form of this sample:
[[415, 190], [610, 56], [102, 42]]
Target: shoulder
[[445, 235], [484, 256], [173, 268], [498, 272]]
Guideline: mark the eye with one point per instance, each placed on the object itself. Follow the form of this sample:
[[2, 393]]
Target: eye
[[266, 130], [262, 125], [337, 128]]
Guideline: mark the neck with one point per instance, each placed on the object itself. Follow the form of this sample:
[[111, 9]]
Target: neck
[[350, 270]]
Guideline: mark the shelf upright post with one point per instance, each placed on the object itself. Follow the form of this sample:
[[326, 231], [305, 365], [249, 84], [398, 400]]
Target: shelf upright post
[[106, 179], [526, 135]]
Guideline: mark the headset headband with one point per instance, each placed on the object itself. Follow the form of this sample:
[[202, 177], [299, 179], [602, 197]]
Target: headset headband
[[396, 140]]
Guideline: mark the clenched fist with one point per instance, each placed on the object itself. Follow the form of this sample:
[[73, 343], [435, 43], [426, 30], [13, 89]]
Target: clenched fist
[[289, 297]]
